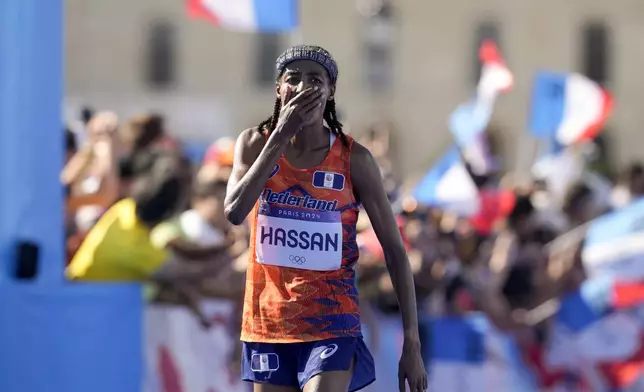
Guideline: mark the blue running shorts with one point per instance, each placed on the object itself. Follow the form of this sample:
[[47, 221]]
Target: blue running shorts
[[294, 364]]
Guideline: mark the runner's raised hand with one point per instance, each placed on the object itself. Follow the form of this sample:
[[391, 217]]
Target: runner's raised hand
[[296, 110]]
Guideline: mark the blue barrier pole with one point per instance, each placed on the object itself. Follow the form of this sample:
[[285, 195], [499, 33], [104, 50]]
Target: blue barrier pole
[[53, 336], [31, 138], [75, 338]]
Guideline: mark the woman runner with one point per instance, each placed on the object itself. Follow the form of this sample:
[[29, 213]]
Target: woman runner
[[302, 183]]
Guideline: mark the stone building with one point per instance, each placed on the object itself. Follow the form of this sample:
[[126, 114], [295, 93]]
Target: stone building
[[410, 62]]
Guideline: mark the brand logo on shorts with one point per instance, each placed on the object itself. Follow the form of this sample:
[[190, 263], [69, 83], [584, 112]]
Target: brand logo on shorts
[[328, 351]]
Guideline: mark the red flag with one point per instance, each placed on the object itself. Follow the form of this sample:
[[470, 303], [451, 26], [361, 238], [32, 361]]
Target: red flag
[[495, 74], [489, 53], [495, 205], [196, 10], [170, 374]]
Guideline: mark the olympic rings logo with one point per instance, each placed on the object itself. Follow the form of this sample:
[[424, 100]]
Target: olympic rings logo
[[299, 260]]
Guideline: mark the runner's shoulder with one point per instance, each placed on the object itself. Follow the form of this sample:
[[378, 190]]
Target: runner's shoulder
[[359, 150], [250, 144], [361, 157], [252, 138]]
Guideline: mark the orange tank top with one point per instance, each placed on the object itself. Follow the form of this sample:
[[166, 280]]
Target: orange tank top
[[300, 283]]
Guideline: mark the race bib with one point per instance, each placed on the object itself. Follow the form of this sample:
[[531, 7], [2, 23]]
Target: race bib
[[298, 238]]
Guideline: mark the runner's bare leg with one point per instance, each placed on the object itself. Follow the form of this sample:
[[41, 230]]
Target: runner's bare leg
[[330, 381]]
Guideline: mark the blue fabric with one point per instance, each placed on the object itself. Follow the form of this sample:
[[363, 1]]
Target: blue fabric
[[457, 339], [547, 104], [294, 364], [587, 305], [77, 338], [463, 340], [622, 223], [523, 377], [468, 121], [425, 191], [612, 247], [276, 15], [31, 133]]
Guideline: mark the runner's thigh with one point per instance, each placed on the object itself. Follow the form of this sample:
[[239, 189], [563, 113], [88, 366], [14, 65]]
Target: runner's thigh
[[335, 381], [335, 365], [273, 388]]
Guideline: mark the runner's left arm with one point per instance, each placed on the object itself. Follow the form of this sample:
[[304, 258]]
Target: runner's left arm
[[367, 183]]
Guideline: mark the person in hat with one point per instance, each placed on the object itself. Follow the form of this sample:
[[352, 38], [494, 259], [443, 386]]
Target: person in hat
[[301, 181]]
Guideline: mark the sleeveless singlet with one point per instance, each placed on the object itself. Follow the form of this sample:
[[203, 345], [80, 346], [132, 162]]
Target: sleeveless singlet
[[300, 283]]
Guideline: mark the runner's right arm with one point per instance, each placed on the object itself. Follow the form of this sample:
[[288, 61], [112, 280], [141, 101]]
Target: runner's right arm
[[256, 155]]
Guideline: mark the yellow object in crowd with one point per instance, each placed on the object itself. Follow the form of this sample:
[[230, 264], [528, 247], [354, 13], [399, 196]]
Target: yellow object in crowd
[[117, 248]]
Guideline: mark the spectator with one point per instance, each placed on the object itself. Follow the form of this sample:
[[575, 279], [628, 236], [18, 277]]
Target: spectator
[[119, 246], [636, 180], [90, 177], [144, 132]]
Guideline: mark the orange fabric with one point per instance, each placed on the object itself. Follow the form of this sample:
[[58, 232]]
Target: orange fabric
[[284, 304], [220, 152]]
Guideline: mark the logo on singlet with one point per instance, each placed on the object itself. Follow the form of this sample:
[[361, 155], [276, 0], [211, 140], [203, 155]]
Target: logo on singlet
[[291, 199], [328, 180], [300, 260], [275, 170]]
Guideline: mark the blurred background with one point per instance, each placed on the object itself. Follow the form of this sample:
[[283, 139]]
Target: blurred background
[[402, 62], [508, 138]]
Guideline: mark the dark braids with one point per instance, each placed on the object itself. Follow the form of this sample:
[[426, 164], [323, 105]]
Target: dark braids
[[271, 123], [330, 117]]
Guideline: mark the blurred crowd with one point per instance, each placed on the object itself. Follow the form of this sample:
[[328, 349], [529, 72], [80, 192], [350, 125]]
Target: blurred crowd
[[506, 261], [107, 161]]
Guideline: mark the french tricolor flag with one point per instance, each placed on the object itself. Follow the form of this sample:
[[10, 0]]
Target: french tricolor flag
[[569, 107], [470, 120], [559, 167], [449, 186], [614, 244], [496, 77], [468, 354], [247, 15], [605, 337]]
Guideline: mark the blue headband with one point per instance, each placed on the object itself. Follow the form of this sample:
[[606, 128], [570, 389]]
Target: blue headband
[[311, 53]]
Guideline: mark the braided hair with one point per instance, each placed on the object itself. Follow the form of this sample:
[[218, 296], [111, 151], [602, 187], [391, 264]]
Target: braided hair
[[322, 57], [330, 118]]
